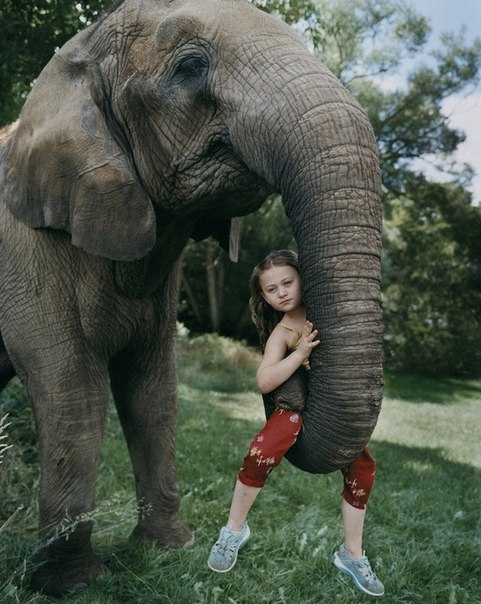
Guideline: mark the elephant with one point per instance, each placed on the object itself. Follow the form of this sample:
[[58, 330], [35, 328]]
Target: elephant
[[161, 122]]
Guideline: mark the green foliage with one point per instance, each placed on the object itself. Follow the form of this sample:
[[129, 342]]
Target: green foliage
[[427, 450], [360, 39], [432, 281], [364, 42], [218, 363], [31, 31]]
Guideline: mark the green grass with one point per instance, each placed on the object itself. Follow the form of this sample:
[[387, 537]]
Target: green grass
[[423, 529]]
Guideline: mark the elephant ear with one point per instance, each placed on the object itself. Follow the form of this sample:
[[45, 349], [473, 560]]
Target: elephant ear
[[66, 168]]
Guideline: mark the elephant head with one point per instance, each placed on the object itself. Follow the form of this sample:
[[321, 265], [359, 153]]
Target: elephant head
[[166, 119]]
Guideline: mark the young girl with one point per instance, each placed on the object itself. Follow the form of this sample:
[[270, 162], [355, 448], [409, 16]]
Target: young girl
[[287, 340]]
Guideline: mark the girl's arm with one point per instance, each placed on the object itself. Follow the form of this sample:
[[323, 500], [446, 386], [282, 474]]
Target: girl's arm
[[276, 367]]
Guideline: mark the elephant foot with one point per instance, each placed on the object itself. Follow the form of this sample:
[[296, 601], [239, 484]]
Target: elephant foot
[[57, 579], [173, 535]]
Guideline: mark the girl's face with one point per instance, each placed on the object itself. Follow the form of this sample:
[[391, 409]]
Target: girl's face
[[281, 288]]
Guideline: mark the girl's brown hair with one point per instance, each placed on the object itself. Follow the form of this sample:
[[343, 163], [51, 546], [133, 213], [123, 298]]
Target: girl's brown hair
[[264, 316]]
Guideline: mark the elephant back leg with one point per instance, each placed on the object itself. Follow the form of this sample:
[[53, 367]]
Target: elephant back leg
[[144, 385]]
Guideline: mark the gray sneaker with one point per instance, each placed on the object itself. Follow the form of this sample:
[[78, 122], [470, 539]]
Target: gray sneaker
[[223, 555], [360, 572]]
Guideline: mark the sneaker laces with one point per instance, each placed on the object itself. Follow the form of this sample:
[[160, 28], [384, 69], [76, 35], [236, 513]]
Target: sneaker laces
[[227, 544], [366, 570]]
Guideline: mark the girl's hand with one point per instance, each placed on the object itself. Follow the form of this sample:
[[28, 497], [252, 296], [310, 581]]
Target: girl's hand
[[308, 340]]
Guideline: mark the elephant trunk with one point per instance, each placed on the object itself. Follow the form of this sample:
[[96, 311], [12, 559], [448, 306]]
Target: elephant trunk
[[337, 224], [326, 166], [339, 239]]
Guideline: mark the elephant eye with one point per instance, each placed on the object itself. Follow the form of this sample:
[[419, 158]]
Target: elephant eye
[[190, 69]]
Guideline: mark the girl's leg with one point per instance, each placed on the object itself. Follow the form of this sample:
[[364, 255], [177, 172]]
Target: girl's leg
[[353, 522], [350, 558], [358, 481], [242, 501], [266, 451]]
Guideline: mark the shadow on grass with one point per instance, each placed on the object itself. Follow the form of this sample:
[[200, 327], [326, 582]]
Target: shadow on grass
[[423, 531], [423, 389], [426, 524]]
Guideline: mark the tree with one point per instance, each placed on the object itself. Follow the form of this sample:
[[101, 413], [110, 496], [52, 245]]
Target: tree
[[365, 43], [432, 288], [214, 292], [31, 31]]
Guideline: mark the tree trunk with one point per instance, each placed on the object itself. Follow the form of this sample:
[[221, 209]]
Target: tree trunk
[[191, 297]]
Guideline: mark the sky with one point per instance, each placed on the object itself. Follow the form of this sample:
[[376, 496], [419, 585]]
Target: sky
[[464, 112]]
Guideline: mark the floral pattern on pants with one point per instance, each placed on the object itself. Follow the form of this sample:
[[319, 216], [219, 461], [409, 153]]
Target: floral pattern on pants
[[358, 479], [269, 447], [279, 433]]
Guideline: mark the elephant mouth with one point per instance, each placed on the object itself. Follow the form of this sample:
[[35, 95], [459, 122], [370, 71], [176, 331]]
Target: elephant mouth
[[200, 185]]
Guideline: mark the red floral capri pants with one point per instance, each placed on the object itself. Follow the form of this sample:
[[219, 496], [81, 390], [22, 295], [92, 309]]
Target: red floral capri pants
[[280, 432]]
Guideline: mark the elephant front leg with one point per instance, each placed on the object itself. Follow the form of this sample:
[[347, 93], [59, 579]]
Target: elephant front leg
[[145, 394], [68, 564], [70, 432]]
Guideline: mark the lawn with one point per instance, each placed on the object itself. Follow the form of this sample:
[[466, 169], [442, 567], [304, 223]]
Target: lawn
[[423, 529]]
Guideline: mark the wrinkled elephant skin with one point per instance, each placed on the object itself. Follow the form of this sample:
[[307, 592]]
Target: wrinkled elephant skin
[[161, 122]]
